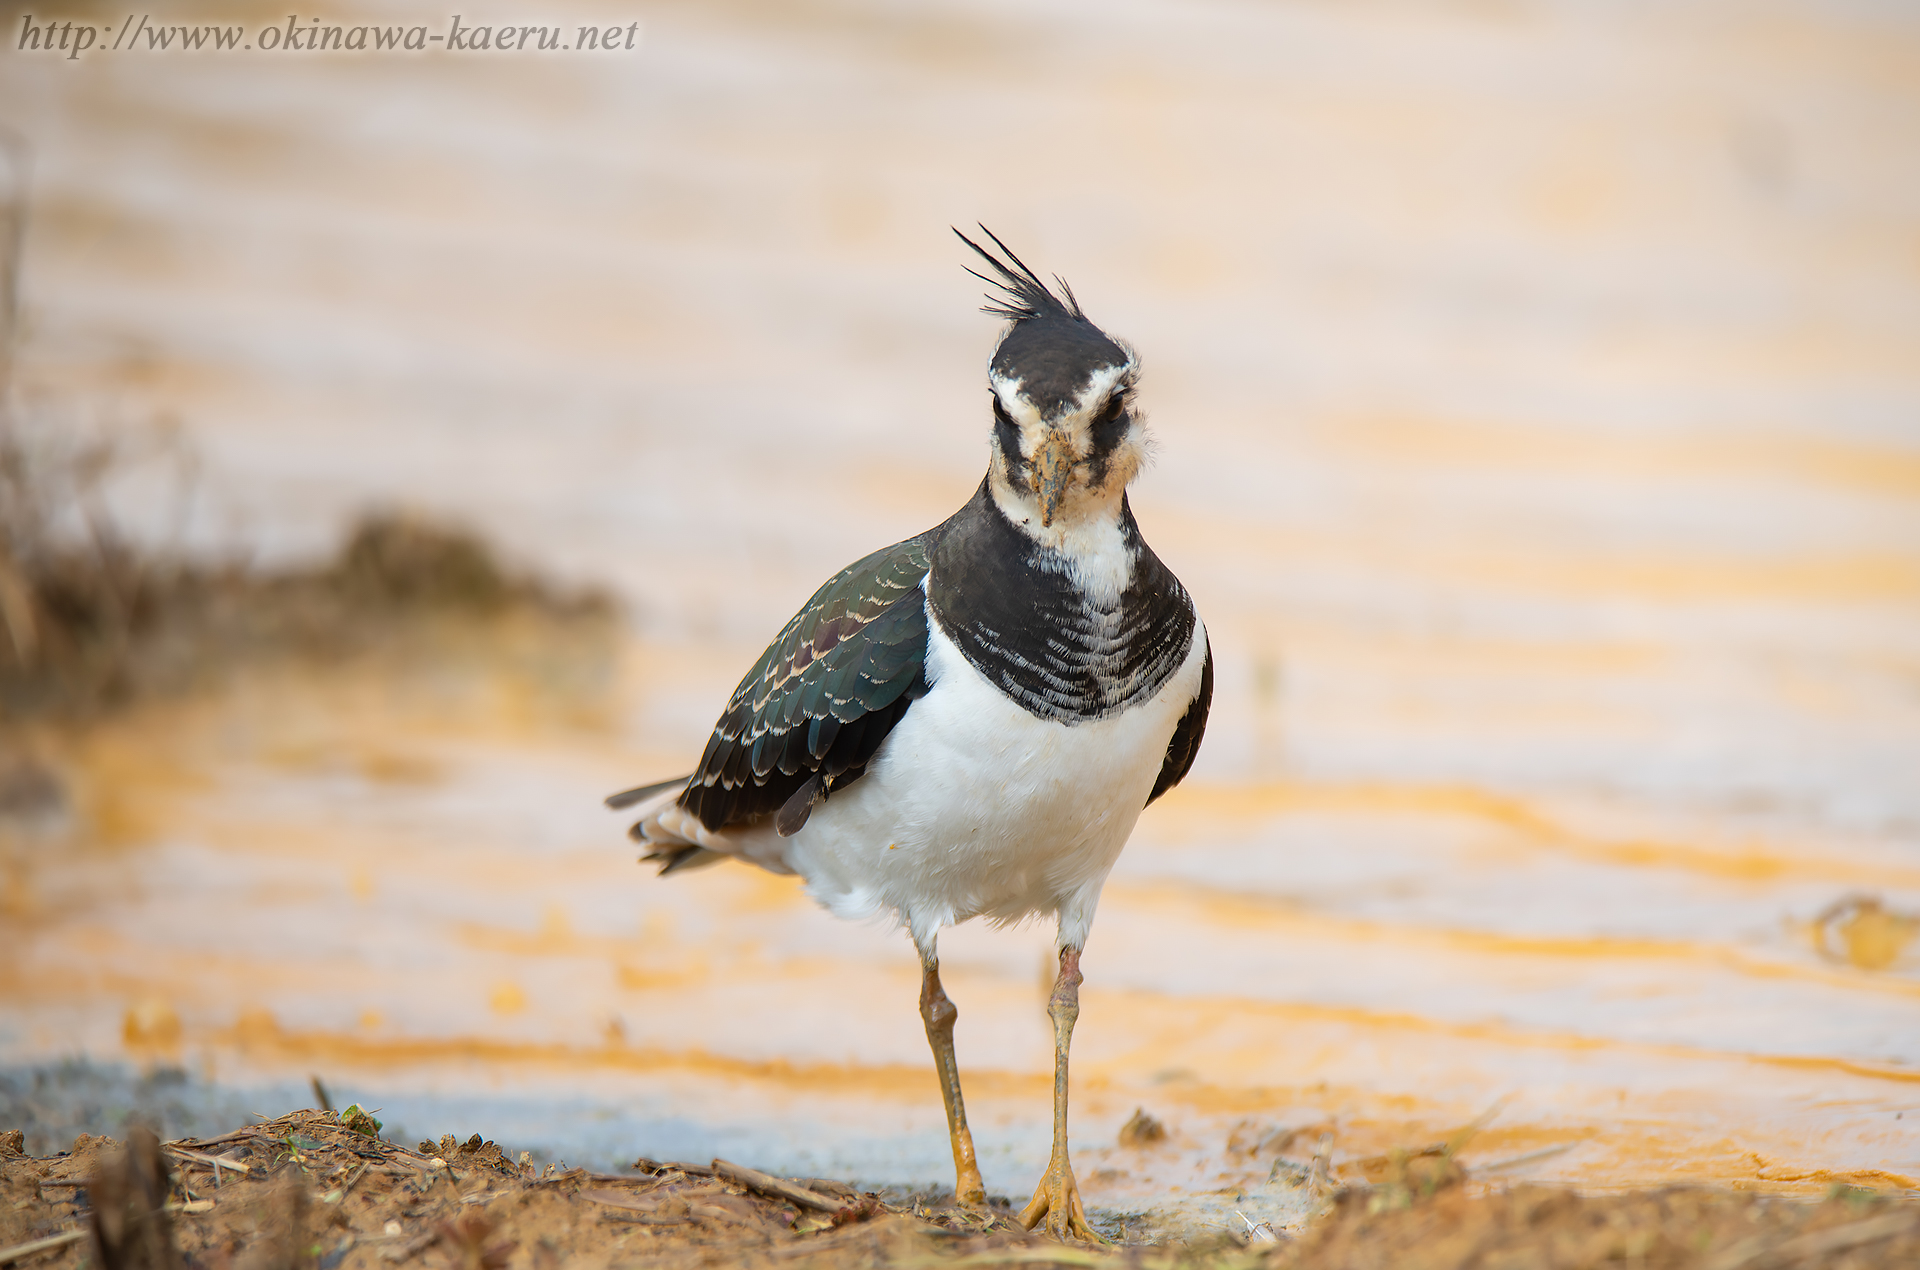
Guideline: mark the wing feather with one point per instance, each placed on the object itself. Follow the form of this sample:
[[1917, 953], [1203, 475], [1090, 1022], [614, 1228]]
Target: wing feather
[[823, 696], [1185, 742]]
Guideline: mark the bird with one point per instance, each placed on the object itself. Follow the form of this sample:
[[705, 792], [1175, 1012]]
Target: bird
[[969, 723]]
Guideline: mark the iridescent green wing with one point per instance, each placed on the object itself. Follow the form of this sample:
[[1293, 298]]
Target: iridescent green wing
[[813, 710]]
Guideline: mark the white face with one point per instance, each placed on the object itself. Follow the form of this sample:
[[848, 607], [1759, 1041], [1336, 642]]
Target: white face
[[1074, 465]]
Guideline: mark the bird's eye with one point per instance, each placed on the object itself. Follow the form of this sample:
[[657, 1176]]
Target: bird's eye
[[1008, 433], [1111, 421]]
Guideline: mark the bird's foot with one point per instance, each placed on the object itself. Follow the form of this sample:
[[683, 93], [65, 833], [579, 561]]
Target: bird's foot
[[972, 1197], [1056, 1206]]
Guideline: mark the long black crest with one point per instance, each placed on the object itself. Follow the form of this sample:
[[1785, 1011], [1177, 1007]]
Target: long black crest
[[1027, 296]]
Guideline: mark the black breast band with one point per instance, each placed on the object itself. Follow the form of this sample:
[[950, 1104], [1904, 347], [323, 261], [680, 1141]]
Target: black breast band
[[1012, 607]]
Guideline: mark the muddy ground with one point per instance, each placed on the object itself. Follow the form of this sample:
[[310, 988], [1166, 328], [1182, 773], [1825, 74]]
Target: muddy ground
[[322, 1189]]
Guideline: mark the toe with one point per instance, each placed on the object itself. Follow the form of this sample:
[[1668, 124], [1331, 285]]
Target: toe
[[1056, 1209]]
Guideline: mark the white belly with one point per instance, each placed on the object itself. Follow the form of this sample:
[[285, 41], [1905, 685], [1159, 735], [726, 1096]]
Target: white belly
[[975, 808]]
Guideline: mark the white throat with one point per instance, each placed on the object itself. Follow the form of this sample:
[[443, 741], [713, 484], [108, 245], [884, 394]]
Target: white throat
[[1090, 545]]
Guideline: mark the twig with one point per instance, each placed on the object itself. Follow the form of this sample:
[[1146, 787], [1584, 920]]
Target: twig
[[1447, 1149], [41, 1245], [401, 1166], [614, 1199], [1260, 1234], [767, 1184], [1514, 1161], [201, 1157], [1458, 1142], [225, 1139], [713, 1212], [394, 1148], [672, 1166], [1320, 1172]]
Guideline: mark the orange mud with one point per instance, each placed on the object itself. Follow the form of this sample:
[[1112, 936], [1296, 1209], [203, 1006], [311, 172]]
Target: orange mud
[[728, 988]]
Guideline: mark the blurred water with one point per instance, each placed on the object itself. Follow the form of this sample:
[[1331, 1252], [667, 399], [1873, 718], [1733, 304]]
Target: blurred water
[[1538, 395]]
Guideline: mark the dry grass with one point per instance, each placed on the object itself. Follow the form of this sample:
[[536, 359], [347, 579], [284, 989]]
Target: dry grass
[[91, 620]]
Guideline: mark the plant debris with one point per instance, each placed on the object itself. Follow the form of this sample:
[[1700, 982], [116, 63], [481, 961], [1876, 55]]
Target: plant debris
[[361, 1122], [1547, 1229], [308, 1190]]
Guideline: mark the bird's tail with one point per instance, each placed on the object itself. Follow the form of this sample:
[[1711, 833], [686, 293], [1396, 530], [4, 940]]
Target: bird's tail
[[670, 850], [640, 793]]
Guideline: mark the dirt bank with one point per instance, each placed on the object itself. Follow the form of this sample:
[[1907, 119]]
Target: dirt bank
[[90, 627], [318, 1189]]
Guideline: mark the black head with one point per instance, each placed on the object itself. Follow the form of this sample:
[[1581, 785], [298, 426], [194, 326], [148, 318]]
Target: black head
[[1051, 349], [1065, 434]]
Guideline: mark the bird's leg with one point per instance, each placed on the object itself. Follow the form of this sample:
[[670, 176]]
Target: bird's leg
[[939, 1013], [1057, 1199]]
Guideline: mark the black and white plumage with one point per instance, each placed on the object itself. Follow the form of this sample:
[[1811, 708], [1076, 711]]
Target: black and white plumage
[[968, 723]]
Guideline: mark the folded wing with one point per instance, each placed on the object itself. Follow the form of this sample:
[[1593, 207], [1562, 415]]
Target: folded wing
[[814, 709]]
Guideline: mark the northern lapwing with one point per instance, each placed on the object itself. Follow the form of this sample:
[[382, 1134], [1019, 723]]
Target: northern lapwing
[[968, 723]]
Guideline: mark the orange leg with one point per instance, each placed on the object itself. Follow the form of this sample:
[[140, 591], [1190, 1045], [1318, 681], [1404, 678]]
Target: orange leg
[[939, 1013], [1057, 1199]]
